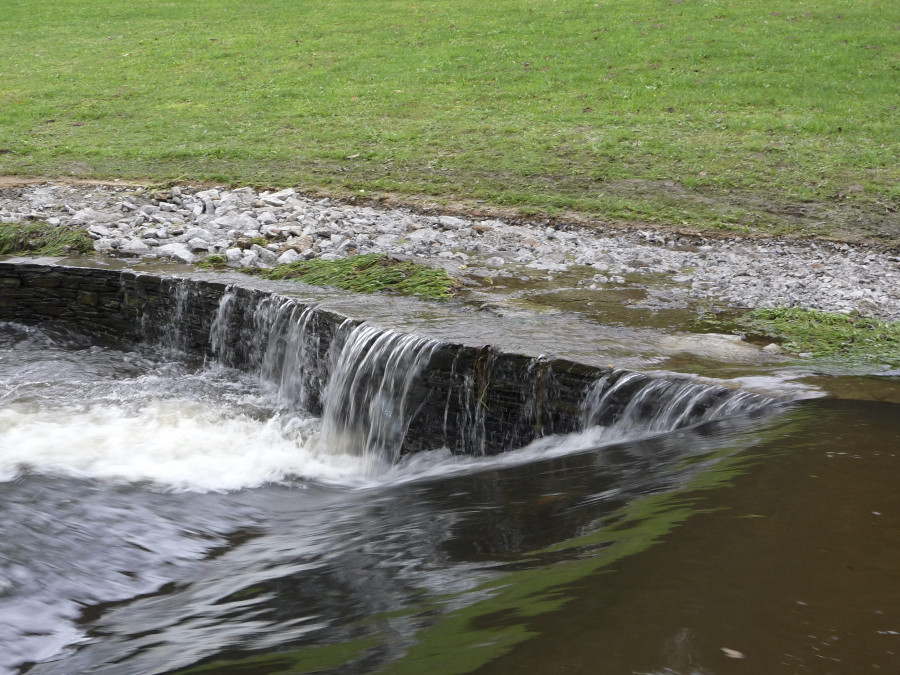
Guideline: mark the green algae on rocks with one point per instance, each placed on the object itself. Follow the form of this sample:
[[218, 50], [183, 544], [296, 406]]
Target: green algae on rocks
[[43, 239], [369, 273]]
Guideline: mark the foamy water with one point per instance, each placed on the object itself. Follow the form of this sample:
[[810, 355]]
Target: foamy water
[[177, 444], [143, 417], [75, 410], [138, 417]]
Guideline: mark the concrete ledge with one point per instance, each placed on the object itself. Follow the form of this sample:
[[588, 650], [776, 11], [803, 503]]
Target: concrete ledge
[[470, 399]]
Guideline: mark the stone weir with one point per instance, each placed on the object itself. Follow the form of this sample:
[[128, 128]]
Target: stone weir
[[378, 391]]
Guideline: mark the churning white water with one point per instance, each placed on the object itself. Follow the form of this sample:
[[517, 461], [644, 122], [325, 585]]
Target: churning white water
[[175, 443], [74, 410]]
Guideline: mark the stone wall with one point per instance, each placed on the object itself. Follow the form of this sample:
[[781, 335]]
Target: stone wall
[[471, 399]]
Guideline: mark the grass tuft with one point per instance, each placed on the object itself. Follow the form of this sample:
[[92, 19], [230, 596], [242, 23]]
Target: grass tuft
[[823, 334], [43, 239], [370, 273], [212, 262]]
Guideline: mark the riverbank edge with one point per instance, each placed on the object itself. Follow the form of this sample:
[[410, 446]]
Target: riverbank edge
[[439, 205], [255, 229]]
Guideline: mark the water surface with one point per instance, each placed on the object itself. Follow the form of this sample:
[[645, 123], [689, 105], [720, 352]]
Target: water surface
[[162, 514]]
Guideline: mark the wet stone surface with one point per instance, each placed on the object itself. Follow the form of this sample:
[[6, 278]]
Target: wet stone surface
[[261, 229], [473, 400]]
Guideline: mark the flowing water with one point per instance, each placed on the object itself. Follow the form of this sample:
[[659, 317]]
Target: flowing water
[[167, 513]]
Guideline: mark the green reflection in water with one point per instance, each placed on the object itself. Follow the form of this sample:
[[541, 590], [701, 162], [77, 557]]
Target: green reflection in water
[[472, 636], [307, 660], [491, 619]]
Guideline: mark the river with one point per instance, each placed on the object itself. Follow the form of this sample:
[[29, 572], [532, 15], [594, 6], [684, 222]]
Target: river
[[166, 514]]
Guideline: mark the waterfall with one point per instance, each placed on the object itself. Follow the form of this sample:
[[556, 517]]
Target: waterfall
[[290, 363], [630, 401], [364, 381], [218, 332], [176, 337], [374, 391], [381, 394]]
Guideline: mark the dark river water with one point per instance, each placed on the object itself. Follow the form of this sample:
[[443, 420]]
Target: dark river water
[[159, 514]]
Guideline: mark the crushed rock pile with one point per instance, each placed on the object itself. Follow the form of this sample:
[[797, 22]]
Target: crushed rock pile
[[262, 229]]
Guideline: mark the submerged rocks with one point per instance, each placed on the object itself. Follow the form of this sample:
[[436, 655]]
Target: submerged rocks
[[262, 229]]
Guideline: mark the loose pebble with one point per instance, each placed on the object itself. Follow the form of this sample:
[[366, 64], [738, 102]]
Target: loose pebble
[[261, 229]]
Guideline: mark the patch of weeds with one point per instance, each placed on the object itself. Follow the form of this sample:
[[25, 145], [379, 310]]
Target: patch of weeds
[[43, 239], [370, 273], [823, 334], [212, 262], [259, 241]]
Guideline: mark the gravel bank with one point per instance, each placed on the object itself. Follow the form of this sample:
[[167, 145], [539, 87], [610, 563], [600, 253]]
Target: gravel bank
[[261, 229]]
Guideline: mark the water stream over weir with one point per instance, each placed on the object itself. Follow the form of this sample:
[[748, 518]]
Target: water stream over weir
[[381, 394], [370, 384], [206, 478]]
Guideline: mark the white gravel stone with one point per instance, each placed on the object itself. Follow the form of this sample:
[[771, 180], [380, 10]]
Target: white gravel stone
[[196, 233], [741, 273], [198, 244], [288, 257], [267, 218], [178, 251], [264, 254], [93, 216], [98, 231], [134, 247], [452, 222], [249, 259], [233, 257]]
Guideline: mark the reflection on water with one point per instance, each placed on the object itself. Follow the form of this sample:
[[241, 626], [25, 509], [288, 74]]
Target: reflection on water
[[794, 567], [122, 551]]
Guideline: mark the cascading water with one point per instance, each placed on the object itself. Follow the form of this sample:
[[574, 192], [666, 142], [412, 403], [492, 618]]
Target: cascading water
[[369, 384], [196, 491], [630, 402], [218, 332], [469, 418], [175, 337], [289, 362], [372, 395], [363, 391], [363, 381]]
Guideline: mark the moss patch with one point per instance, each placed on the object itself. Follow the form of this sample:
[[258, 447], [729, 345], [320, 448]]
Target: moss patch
[[823, 334], [43, 239], [370, 273], [212, 262]]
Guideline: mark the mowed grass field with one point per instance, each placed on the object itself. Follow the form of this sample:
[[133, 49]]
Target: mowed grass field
[[772, 116]]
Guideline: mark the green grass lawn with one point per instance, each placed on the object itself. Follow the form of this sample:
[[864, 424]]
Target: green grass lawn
[[737, 114]]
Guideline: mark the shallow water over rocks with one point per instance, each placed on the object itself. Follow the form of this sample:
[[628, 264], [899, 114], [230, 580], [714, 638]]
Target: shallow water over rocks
[[260, 229]]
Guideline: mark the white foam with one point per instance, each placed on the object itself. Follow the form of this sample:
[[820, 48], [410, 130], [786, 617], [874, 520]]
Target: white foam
[[176, 444], [438, 464]]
